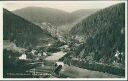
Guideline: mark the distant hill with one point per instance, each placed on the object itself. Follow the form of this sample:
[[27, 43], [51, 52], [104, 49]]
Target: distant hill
[[103, 35], [83, 13], [37, 14], [22, 32], [64, 21], [76, 17]]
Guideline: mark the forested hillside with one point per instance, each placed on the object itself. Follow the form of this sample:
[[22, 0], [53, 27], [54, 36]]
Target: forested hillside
[[101, 20], [22, 32], [103, 36], [106, 31]]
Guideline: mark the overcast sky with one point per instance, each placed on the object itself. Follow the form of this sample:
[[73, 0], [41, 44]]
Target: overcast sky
[[68, 6]]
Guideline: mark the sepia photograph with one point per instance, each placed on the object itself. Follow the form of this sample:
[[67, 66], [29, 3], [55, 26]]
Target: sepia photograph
[[64, 39]]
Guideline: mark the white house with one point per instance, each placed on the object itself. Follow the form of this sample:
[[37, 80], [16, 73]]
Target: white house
[[64, 47], [117, 54], [23, 57], [39, 54], [60, 63], [49, 44], [44, 54], [33, 52]]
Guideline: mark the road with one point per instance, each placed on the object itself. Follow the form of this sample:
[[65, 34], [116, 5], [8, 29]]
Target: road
[[55, 56]]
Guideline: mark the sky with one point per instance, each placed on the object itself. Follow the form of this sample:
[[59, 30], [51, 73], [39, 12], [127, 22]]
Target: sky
[[68, 6]]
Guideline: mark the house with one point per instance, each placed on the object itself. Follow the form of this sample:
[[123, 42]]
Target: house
[[64, 47], [23, 57], [33, 52], [39, 54], [118, 56], [49, 44], [59, 63], [44, 54], [37, 58]]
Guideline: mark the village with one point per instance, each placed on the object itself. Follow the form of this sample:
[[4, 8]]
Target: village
[[46, 64]]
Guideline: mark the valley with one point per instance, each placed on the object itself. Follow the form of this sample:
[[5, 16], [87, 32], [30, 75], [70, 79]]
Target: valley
[[57, 44]]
